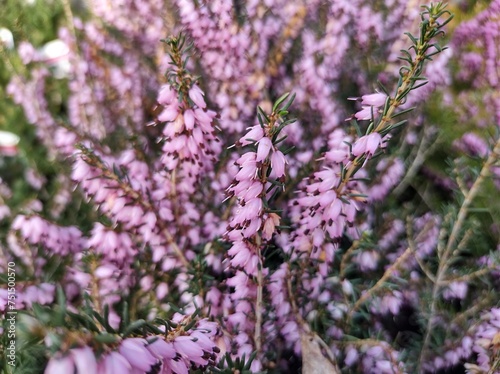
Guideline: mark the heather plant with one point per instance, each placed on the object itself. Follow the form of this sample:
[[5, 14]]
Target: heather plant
[[250, 186]]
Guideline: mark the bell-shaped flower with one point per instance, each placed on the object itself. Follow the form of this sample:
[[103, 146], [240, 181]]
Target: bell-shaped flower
[[196, 95], [270, 224], [169, 114], [136, 353], [84, 359], [278, 162], [263, 149], [367, 144], [114, 363], [365, 113], [376, 100], [188, 348], [161, 349], [189, 119], [255, 134], [60, 365]]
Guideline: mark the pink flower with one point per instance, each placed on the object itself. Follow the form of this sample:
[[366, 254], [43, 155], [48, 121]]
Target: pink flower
[[376, 100], [367, 144], [269, 225], [136, 353], [161, 349], [252, 228], [365, 113], [196, 94], [240, 254], [4, 212], [256, 133], [114, 363], [253, 191], [178, 367], [169, 114], [187, 347], [264, 146], [367, 260], [62, 365], [337, 155], [166, 95], [278, 163], [189, 119], [84, 360]]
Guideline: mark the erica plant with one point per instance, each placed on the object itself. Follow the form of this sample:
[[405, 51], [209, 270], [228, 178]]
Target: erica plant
[[275, 186]]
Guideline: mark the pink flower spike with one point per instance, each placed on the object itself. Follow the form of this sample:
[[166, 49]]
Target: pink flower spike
[[263, 149], [376, 100], [196, 94]]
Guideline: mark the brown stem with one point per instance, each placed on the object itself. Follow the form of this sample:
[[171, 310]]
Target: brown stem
[[380, 283]]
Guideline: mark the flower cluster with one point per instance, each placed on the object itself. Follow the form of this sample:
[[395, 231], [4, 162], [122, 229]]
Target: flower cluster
[[154, 225], [173, 354]]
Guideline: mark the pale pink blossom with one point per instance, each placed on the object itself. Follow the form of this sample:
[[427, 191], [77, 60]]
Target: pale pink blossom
[[196, 94], [375, 99], [278, 162], [187, 347], [270, 224], [166, 95], [169, 114], [255, 134], [136, 353], [189, 119], [263, 149], [161, 349], [114, 363], [365, 113], [84, 359], [60, 365], [367, 144]]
